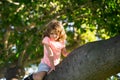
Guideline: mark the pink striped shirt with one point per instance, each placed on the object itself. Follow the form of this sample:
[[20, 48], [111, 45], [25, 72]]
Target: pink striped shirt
[[56, 48]]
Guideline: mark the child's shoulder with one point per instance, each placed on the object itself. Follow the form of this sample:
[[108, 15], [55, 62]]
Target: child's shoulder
[[46, 40], [46, 37]]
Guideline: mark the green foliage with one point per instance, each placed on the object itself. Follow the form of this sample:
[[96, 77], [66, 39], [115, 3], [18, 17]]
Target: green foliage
[[22, 24], [114, 77]]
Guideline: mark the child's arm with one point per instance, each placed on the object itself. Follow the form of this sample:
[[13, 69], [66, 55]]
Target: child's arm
[[64, 52], [50, 56]]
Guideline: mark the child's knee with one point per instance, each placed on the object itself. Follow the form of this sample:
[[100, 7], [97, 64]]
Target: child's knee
[[37, 76]]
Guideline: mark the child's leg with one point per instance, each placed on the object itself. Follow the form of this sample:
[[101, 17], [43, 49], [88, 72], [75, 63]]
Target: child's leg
[[39, 75], [36, 76], [42, 71]]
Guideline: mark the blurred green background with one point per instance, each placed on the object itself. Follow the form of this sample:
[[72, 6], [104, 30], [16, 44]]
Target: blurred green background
[[22, 23]]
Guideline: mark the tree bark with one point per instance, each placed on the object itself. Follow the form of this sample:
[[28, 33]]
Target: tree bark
[[93, 61]]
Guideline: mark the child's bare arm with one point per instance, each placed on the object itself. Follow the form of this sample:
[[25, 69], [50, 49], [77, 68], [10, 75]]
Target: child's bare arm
[[50, 56], [64, 52]]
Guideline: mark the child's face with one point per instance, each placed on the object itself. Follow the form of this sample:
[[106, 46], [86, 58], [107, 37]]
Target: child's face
[[54, 36]]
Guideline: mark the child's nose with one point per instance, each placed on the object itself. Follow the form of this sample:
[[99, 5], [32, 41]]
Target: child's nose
[[55, 35]]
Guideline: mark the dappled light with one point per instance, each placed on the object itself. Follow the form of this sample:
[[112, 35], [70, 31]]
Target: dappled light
[[22, 24]]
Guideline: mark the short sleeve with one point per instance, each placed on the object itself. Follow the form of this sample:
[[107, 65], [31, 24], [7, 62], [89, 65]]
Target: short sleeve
[[46, 40]]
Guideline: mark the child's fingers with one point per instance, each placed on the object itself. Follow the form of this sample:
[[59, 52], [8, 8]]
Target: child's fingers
[[50, 71]]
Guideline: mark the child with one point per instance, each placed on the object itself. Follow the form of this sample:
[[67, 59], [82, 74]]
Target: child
[[54, 45]]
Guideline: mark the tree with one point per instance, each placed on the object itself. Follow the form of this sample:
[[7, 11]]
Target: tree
[[22, 23], [92, 61]]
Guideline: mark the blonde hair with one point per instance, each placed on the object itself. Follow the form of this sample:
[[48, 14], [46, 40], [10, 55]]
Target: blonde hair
[[56, 27]]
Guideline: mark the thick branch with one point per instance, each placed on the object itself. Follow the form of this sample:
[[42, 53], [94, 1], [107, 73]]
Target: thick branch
[[93, 61]]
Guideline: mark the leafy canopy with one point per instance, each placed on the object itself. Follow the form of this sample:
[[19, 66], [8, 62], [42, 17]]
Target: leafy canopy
[[22, 23]]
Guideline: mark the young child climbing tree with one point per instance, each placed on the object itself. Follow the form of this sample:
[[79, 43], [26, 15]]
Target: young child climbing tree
[[54, 44]]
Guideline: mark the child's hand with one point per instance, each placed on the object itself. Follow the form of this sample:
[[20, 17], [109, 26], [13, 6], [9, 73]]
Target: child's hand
[[52, 69], [64, 52]]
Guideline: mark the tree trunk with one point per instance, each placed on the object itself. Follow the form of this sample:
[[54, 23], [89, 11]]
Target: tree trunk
[[93, 61]]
